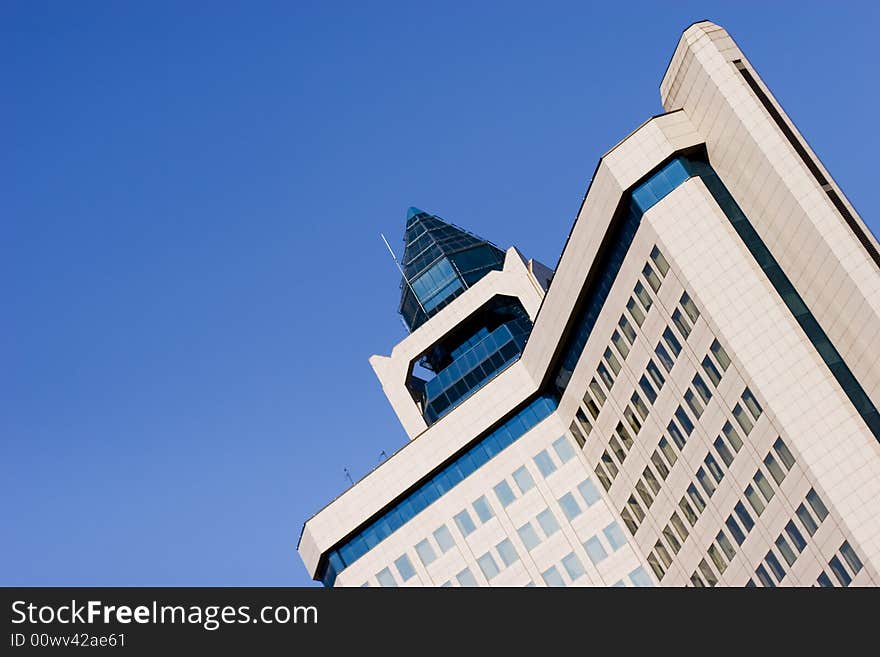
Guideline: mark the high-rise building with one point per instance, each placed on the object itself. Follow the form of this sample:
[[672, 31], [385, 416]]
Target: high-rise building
[[690, 398]]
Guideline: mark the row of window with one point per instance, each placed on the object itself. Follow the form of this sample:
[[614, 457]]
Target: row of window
[[790, 543], [836, 565]]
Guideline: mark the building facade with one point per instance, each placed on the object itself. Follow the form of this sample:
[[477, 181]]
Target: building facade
[[689, 399]]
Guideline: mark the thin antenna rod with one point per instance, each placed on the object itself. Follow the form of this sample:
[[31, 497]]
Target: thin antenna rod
[[408, 284], [348, 476]]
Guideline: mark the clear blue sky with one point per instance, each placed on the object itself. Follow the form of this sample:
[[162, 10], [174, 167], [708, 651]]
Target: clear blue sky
[[192, 275]]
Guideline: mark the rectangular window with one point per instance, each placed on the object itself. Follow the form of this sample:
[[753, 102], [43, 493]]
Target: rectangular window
[[605, 375], [609, 464], [701, 388], [507, 552], [647, 389], [743, 420], [597, 391], [552, 577], [735, 531], [839, 572], [626, 329], [642, 490], [643, 296], [404, 567], [764, 576], [466, 578], [717, 559], [732, 436], [504, 493], [708, 573], [659, 261], [465, 523], [528, 536], [785, 550], [595, 550], [696, 498], [625, 438], [684, 420], [681, 324], [563, 449], [706, 482], [614, 535], [696, 582], [635, 311], [796, 537], [671, 539], [764, 485], [386, 578], [676, 434], [720, 355], [744, 516], [689, 307], [635, 508], [617, 449], [659, 464], [723, 451], [652, 278], [488, 566], [851, 557], [569, 505], [752, 404], [672, 342], [545, 464], [663, 553], [689, 514], [444, 539], [620, 344], [588, 491], [548, 522], [523, 479], [679, 525], [713, 467], [668, 452], [484, 511], [775, 469], [754, 499], [602, 476], [628, 521], [639, 405], [775, 567], [711, 371], [651, 480], [725, 545], [577, 434], [426, 552], [663, 356], [612, 361], [592, 407], [784, 455], [634, 422], [693, 403], [806, 520], [824, 580], [573, 566]]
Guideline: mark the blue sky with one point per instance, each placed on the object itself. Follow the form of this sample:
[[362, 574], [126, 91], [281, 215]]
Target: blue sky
[[192, 275]]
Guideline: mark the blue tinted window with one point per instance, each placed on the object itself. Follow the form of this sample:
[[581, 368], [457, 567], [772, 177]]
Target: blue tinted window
[[488, 566], [595, 550], [465, 523], [504, 493], [614, 535], [484, 511], [523, 479], [640, 578], [545, 463], [588, 491], [552, 577], [404, 567], [563, 449], [426, 552], [548, 522], [466, 578], [528, 536], [386, 578], [572, 565], [569, 505], [507, 552]]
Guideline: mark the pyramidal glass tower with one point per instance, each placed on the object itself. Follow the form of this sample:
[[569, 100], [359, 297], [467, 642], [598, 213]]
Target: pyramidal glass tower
[[690, 399]]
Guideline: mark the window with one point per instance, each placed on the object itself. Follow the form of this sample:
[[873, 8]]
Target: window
[[806, 520], [563, 449], [605, 375], [711, 371], [752, 403], [507, 552], [426, 552], [552, 577], [625, 438], [668, 452], [595, 550], [732, 436], [523, 479], [614, 535], [764, 485], [651, 480], [612, 361], [659, 261], [775, 469], [444, 539], [628, 521], [545, 464], [602, 476], [681, 324], [620, 344], [572, 565], [588, 491], [664, 357], [734, 530], [824, 580], [743, 420], [775, 567], [660, 464], [576, 432], [851, 557], [635, 312], [609, 464], [548, 522], [635, 508], [839, 571], [696, 498], [693, 403], [754, 500], [642, 490], [404, 567], [713, 467], [528, 536], [679, 526], [640, 578], [720, 355], [706, 482], [466, 578], [617, 448], [701, 388], [697, 582], [639, 405], [643, 296], [717, 559], [386, 578], [725, 545], [663, 553], [723, 451], [690, 308], [597, 391], [744, 516], [488, 566], [784, 455], [672, 342], [647, 389], [652, 278], [672, 539], [569, 505], [465, 523], [634, 422], [708, 573], [504, 493], [785, 550], [626, 328], [484, 511], [764, 576], [796, 537], [676, 435], [688, 511]]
